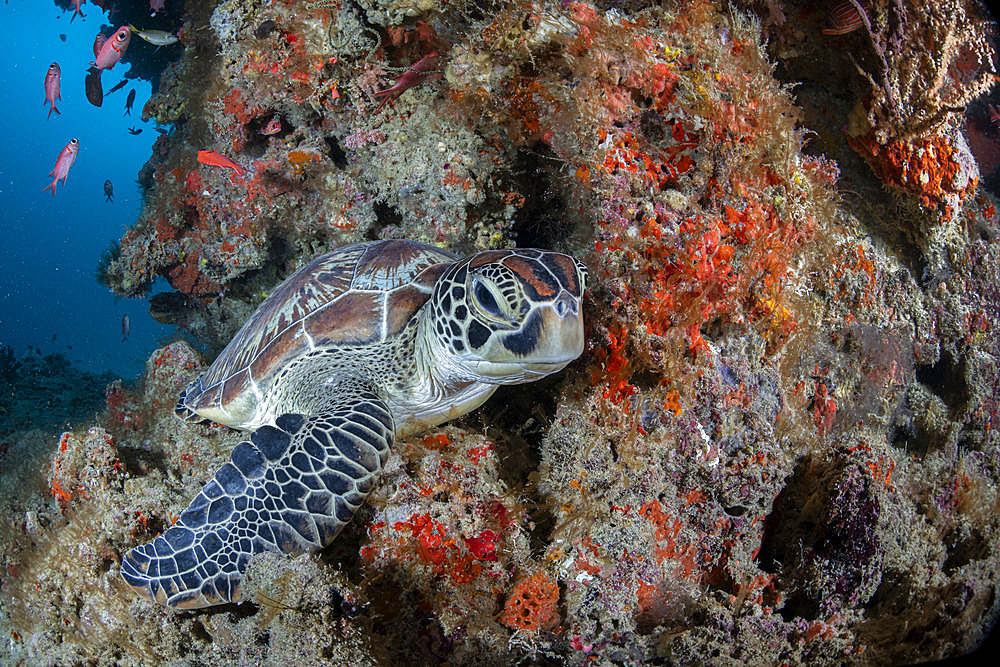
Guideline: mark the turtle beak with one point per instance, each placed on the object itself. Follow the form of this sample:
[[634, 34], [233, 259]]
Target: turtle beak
[[551, 336], [561, 339]]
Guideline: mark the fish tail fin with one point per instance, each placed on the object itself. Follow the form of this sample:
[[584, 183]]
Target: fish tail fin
[[51, 109], [53, 186]]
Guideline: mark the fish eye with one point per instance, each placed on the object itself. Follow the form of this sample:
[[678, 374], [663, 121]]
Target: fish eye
[[484, 297]]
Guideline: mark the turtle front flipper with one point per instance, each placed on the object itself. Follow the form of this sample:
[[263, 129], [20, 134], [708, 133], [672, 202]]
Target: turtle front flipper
[[291, 487]]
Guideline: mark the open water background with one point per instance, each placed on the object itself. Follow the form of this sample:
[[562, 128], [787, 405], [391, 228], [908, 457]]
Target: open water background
[[50, 246]]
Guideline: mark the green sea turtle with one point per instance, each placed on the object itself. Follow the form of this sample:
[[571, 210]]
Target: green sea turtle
[[370, 342]]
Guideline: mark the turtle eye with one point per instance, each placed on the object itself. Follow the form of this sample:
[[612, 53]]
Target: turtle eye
[[484, 297]]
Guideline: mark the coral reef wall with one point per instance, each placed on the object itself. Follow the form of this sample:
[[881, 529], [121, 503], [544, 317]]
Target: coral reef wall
[[778, 446]]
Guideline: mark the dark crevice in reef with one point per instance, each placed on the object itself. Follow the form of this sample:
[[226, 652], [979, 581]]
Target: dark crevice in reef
[[964, 546], [257, 143], [398, 615], [516, 419], [821, 536], [335, 152], [138, 462], [946, 378], [388, 216], [542, 221], [342, 553]]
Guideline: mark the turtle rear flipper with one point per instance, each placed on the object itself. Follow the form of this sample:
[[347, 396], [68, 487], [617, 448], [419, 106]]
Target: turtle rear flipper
[[292, 487]]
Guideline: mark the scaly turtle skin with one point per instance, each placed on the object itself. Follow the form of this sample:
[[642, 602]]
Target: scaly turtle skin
[[365, 344]]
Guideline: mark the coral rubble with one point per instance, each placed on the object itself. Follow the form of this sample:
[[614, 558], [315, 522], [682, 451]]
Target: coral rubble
[[779, 445]]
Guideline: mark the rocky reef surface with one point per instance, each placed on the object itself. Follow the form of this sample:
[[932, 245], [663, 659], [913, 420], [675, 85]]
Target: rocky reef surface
[[45, 392], [778, 446]]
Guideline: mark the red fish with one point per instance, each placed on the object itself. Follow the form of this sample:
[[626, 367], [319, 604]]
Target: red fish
[[410, 77], [67, 156], [52, 78], [842, 19], [994, 113], [273, 127], [107, 52], [77, 3], [213, 159]]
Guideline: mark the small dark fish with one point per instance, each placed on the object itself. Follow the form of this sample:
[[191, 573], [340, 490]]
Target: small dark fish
[[265, 29], [134, 131], [69, 347], [109, 191], [54, 337], [62, 37], [92, 84], [128, 102], [125, 327], [162, 130], [118, 86]]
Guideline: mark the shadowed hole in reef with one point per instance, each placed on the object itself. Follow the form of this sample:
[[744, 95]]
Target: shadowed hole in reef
[[402, 616], [946, 378], [343, 552], [516, 420], [138, 462], [542, 221], [789, 531], [912, 437], [335, 152], [387, 216], [962, 549], [199, 633]]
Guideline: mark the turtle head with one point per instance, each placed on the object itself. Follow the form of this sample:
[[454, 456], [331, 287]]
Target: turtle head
[[510, 316]]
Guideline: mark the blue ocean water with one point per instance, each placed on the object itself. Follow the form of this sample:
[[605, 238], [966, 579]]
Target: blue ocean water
[[50, 246]]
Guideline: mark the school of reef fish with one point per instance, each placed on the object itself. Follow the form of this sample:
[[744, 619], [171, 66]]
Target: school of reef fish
[[778, 445]]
